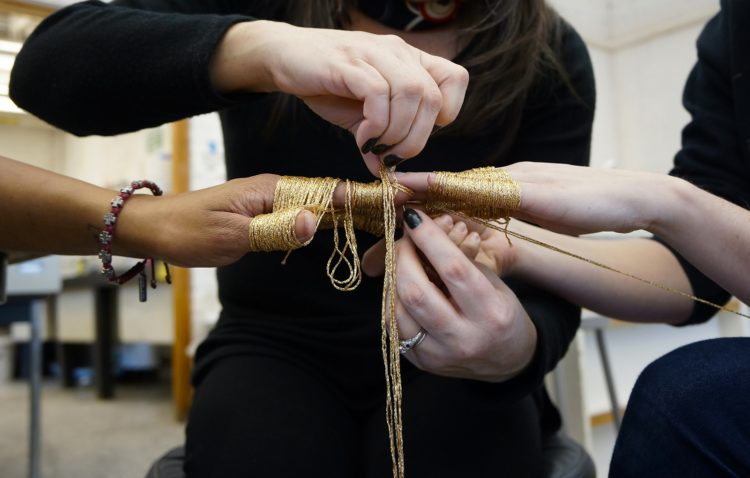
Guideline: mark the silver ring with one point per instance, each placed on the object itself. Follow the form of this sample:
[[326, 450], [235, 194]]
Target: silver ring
[[408, 344]]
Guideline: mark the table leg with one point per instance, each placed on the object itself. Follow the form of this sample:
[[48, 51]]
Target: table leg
[[35, 381], [106, 339]]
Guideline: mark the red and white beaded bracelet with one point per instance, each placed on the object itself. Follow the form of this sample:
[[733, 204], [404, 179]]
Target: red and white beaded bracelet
[[108, 233]]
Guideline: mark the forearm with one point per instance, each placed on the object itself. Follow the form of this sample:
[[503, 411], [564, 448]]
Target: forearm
[[711, 233], [604, 291], [43, 212], [119, 69]]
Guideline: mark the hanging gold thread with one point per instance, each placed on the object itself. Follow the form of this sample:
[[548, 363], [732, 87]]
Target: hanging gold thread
[[484, 195], [389, 330]]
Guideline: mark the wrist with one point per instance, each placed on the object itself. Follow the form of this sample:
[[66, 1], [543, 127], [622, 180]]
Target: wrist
[[664, 210], [138, 228], [242, 60]]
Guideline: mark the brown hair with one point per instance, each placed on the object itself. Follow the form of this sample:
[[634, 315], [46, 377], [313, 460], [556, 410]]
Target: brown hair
[[507, 45]]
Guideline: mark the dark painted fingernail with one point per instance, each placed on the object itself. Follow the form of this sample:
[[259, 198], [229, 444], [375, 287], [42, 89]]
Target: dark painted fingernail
[[392, 160], [367, 147], [381, 148], [411, 218]]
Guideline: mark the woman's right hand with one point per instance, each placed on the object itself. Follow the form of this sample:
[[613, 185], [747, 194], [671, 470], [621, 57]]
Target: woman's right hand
[[384, 91]]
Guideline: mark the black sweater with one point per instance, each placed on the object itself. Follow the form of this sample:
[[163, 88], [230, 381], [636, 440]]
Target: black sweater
[[715, 153], [94, 68]]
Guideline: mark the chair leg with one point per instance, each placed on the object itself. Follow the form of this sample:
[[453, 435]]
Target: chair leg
[[608, 377]]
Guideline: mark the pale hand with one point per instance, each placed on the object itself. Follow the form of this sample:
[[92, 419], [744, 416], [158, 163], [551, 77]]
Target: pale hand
[[376, 86], [476, 327]]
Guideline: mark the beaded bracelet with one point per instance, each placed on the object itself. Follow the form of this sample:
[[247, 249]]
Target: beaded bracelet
[[107, 234]]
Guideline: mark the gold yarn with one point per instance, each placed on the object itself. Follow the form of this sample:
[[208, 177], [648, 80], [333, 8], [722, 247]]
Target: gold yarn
[[483, 195], [275, 231], [389, 341], [487, 193]]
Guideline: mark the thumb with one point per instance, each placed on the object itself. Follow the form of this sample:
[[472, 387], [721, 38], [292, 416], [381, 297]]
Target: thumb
[[373, 260], [304, 226]]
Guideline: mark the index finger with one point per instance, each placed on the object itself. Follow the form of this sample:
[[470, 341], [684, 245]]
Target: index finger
[[452, 80], [417, 182], [468, 286]]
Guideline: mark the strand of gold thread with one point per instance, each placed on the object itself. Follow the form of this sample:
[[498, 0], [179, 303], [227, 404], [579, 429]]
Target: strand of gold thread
[[483, 195]]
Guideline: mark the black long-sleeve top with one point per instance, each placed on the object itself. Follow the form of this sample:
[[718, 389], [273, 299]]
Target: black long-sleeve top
[[95, 68], [715, 153]]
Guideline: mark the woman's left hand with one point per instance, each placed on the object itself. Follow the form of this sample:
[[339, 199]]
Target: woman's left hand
[[475, 326]]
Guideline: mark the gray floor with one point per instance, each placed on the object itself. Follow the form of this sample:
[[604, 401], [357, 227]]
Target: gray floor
[[604, 442], [88, 438]]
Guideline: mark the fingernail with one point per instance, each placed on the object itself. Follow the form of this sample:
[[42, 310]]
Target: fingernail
[[381, 148], [367, 147], [411, 218], [392, 160]]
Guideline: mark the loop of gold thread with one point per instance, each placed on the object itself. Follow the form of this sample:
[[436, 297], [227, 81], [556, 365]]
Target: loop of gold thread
[[354, 278], [484, 195]]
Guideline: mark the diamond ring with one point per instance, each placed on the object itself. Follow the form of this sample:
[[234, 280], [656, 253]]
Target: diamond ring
[[408, 344]]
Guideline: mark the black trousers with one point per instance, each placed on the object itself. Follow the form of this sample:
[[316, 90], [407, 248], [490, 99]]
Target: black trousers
[[267, 417]]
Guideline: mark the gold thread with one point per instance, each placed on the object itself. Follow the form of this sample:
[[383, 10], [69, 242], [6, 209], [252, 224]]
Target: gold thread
[[389, 341], [275, 231], [573, 255], [483, 195]]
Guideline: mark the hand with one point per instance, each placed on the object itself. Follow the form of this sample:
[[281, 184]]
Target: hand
[[205, 228], [476, 327], [384, 91], [209, 227], [479, 243], [578, 200]]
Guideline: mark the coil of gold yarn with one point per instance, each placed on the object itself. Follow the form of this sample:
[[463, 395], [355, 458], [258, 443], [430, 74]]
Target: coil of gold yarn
[[487, 193], [484, 195]]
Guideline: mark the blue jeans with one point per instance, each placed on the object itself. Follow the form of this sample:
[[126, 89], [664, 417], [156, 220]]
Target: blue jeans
[[689, 415]]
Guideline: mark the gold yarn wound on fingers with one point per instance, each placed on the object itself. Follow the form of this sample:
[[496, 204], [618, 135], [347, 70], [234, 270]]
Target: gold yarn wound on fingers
[[484, 195], [275, 231], [487, 193]]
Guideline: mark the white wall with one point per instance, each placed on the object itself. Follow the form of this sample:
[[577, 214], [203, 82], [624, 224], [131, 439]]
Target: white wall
[[206, 169], [649, 79], [31, 143]]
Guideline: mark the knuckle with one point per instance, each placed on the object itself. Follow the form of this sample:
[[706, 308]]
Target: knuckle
[[462, 75], [466, 352], [394, 40], [410, 147], [499, 323], [433, 99], [412, 296], [379, 87], [412, 89], [455, 270]]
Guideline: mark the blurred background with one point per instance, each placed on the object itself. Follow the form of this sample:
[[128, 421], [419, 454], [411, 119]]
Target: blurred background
[[115, 386]]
